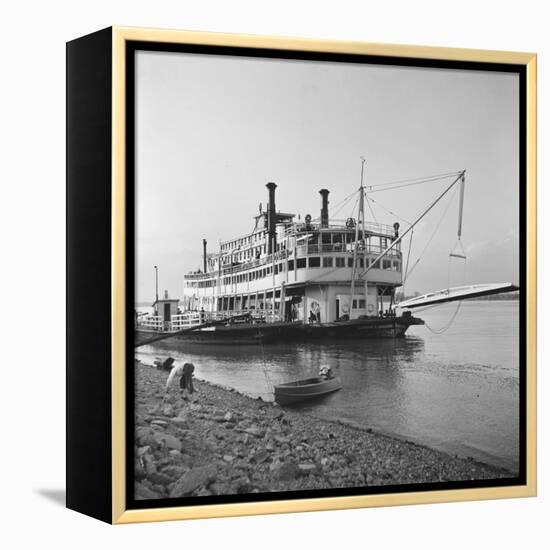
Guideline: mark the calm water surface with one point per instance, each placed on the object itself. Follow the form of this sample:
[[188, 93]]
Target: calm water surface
[[457, 391]]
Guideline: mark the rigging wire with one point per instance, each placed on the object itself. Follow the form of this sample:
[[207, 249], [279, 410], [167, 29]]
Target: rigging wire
[[355, 206], [433, 235], [337, 205], [335, 212], [338, 208], [370, 208], [426, 179], [389, 211], [407, 185], [407, 264], [449, 269]]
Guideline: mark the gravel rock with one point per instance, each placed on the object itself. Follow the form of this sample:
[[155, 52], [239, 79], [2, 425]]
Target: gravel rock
[[255, 431], [306, 469], [168, 410], [260, 456], [286, 471], [193, 480], [160, 478], [168, 441], [149, 464], [159, 422]]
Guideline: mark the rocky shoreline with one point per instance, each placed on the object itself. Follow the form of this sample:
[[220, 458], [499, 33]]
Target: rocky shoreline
[[220, 442]]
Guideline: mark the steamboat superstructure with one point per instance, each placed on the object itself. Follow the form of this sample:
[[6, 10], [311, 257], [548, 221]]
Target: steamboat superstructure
[[288, 270], [293, 278]]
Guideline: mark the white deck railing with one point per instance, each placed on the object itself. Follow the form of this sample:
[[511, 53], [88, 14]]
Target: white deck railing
[[191, 319]]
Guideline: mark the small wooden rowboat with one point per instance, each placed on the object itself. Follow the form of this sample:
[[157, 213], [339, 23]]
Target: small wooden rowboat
[[300, 390]]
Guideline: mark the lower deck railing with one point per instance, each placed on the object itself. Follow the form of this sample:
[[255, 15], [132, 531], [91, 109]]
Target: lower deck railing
[[190, 319]]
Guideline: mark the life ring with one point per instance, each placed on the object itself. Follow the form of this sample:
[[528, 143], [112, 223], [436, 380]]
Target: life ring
[[370, 308]]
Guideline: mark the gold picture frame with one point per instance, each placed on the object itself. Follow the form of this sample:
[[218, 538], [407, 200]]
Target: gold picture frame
[[116, 485]]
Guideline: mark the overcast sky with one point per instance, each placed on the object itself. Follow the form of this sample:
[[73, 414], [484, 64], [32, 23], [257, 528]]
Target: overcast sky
[[211, 131]]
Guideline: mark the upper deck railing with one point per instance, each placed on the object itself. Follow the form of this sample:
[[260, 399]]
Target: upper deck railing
[[340, 225], [293, 229]]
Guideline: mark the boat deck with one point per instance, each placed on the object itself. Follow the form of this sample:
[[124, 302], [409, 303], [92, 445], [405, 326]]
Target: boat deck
[[250, 333]]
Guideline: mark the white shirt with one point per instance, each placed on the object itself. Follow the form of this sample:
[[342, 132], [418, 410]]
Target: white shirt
[[176, 371]]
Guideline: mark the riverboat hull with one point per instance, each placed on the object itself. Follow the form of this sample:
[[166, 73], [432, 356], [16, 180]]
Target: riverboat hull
[[254, 333]]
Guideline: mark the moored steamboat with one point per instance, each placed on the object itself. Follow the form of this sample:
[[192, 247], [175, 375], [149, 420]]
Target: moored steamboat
[[291, 279]]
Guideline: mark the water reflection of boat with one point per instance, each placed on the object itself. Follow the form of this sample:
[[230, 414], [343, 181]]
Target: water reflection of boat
[[302, 390]]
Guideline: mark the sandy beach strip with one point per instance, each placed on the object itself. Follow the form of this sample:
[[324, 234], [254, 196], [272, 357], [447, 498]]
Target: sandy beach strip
[[220, 442]]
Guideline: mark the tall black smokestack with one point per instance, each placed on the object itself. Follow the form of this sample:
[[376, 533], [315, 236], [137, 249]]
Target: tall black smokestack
[[204, 254], [271, 218], [324, 207]]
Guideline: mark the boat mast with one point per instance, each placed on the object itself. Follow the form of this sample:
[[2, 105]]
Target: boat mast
[[363, 197], [360, 219]]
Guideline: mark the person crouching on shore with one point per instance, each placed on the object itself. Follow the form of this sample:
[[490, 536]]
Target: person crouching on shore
[[185, 372]]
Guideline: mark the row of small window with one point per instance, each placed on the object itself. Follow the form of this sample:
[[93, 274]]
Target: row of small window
[[329, 261], [244, 240], [301, 263]]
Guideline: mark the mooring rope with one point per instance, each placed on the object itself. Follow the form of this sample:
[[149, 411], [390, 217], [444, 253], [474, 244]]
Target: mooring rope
[[446, 327], [270, 387]]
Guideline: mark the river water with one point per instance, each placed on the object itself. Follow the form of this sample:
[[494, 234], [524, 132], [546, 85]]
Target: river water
[[457, 391]]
